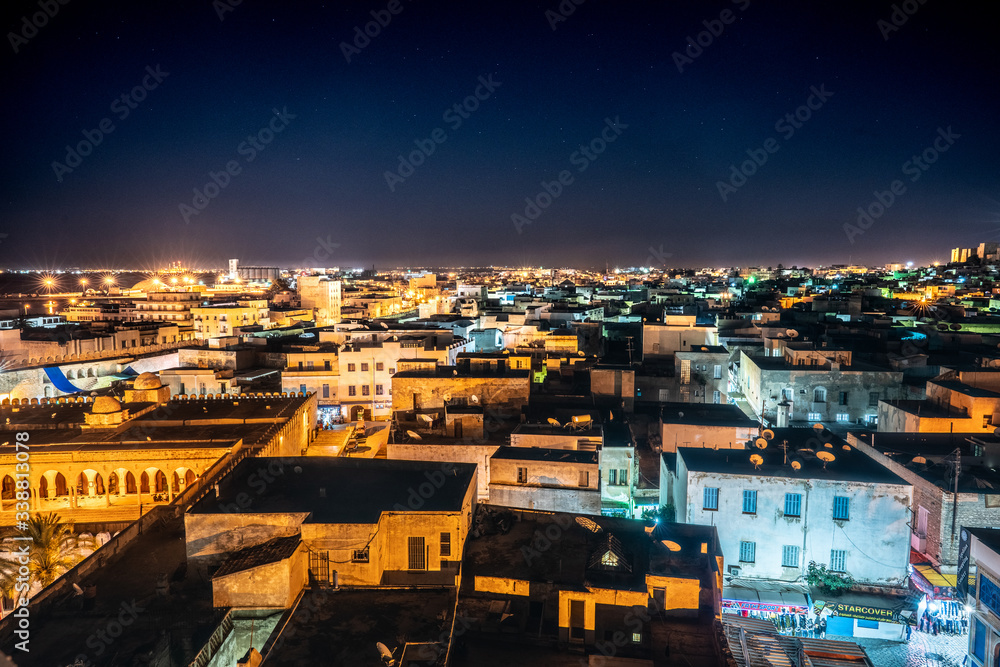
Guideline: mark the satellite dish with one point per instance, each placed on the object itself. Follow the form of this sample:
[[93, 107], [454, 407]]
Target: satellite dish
[[796, 464], [768, 434], [427, 419], [447, 398], [818, 427], [828, 445], [680, 415], [761, 443], [414, 435], [474, 398], [846, 448], [554, 422], [956, 327], [756, 460], [384, 653], [588, 524], [825, 457], [580, 353], [919, 460], [792, 333]]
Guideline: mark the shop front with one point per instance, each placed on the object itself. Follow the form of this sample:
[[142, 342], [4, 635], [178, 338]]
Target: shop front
[[859, 615], [786, 605]]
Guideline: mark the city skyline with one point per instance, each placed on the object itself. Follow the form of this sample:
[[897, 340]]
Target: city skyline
[[553, 134]]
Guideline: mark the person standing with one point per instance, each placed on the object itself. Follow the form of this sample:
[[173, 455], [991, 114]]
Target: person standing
[[909, 631]]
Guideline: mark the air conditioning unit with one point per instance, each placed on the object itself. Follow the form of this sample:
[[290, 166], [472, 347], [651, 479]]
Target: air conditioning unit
[[734, 570]]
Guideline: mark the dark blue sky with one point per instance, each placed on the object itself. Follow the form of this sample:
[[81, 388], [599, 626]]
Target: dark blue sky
[[323, 176]]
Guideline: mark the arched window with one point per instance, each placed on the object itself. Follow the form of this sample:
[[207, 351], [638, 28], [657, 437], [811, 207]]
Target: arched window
[[61, 488], [144, 482], [130, 482], [7, 488]]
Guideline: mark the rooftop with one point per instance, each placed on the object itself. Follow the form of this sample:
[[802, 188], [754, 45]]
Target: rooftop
[[805, 447], [342, 490], [705, 414], [543, 454]]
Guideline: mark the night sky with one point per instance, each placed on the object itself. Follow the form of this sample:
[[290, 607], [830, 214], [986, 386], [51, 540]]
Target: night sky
[[317, 194]]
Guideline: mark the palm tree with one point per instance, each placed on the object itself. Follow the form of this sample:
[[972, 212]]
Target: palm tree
[[8, 578], [54, 547]]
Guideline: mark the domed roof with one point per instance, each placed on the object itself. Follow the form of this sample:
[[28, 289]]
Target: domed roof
[[147, 381], [149, 285], [104, 405]]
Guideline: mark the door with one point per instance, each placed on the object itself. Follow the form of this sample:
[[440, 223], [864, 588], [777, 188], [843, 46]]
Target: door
[[576, 613]]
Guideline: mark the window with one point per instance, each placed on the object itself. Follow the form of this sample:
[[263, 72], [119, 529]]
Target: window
[[711, 500], [352, 391], [986, 420], [310, 365], [789, 556], [379, 390], [326, 391], [873, 399], [365, 390], [623, 477], [819, 395], [522, 475], [364, 368], [716, 397], [415, 551], [841, 508], [379, 366], [749, 502], [302, 388], [392, 371], [838, 560], [979, 640], [636, 637], [813, 416], [584, 478], [360, 556], [843, 417], [326, 365], [717, 372], [612, 477], [843, 398], [300, 365], [748, 550], [793, 504], [351, 367], [445, 545]]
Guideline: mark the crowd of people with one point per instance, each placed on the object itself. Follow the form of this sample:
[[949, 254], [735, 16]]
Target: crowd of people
[[943, 617]]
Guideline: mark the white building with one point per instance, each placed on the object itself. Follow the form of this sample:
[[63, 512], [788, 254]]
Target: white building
[[828, 504]]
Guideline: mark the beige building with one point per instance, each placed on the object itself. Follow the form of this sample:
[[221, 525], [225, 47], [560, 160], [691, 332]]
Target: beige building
[[226, 319], [321, 295]]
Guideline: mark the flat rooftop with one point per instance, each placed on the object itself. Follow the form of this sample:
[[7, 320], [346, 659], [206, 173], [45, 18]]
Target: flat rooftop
[[566, 562], [848, 464], [705, 414], [544, 454], [341, 490], [344, 626]]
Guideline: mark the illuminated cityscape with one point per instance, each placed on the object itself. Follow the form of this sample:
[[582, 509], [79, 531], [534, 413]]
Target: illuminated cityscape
[[560, 333]]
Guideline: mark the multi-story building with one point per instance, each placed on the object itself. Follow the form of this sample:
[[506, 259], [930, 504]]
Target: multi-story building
[[174, 307], [314, 369], [227, 319], [554, 480], [803, 498], [323, 296], [983, 545], [783, 393]]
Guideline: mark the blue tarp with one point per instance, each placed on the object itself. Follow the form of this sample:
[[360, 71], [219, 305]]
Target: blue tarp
[[57, 378]]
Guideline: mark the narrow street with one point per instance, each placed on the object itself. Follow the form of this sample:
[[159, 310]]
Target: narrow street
[[923, 650]]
